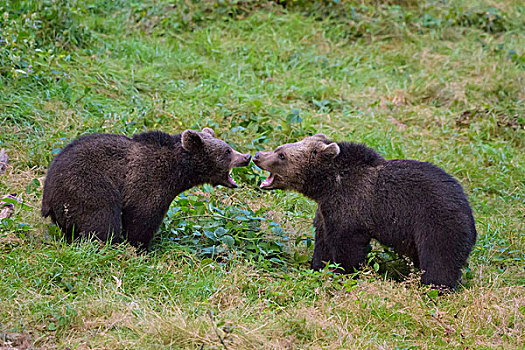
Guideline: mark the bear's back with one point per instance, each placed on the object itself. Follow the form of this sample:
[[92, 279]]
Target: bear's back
[[419, 179], [108, 156], [94, 153], [157, 139], [415, 185]]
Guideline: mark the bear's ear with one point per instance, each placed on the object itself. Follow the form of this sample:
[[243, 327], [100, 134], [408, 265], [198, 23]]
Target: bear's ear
[[209, 131], [319, 136], [191, 140], [332, 150]]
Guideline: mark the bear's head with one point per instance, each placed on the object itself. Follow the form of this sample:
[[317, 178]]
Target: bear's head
[[214, 157], [291, 164]]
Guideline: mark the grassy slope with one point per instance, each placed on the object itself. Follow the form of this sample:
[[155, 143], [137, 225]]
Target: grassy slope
[[446, 93]]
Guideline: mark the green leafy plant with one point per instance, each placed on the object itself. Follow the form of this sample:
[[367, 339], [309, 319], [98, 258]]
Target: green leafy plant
[[491, 20], [204, 225], [18, 44], [14, 224]]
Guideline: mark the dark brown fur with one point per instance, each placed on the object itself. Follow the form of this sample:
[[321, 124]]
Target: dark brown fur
[[414, 207], [103, 184]]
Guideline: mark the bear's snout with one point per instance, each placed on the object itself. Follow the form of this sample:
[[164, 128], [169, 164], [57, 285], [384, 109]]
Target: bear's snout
[[246, 159], [259, 155], [240, 159]]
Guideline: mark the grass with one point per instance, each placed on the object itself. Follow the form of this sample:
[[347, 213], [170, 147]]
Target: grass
[[435, 81]]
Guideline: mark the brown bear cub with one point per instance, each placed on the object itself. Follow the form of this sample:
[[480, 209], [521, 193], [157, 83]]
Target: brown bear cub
[[414, 207], [105, 184]]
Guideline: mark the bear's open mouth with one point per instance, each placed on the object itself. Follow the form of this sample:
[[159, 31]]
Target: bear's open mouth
[[231, 180], [268, 182]]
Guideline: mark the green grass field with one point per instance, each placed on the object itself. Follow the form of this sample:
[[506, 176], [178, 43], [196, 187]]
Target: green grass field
[[438, 81]]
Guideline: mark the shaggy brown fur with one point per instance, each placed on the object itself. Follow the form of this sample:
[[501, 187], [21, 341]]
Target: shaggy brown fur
[[103, 184], [414, 207]]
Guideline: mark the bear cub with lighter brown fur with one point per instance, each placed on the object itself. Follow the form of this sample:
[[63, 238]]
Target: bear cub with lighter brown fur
[[414, 207], [105, 184]]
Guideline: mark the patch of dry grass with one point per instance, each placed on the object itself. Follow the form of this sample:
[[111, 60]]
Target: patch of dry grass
[[372, 313]]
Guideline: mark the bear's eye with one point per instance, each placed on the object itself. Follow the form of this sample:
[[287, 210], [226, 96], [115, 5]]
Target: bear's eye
[[281, 156], [228, 151]]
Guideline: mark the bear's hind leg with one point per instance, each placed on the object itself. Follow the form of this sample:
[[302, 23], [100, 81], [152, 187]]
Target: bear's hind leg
[[440, 262], [87, 218], [440, 274], [140, 227], [104, 224]]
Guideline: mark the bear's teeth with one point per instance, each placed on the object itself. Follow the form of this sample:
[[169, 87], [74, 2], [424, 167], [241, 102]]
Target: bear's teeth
[[268, 181], [232, 181]]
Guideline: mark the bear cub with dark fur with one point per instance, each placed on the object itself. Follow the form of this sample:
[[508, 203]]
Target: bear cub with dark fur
[[105, 184], [414, 207]]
